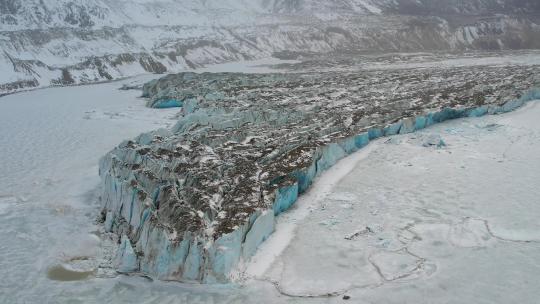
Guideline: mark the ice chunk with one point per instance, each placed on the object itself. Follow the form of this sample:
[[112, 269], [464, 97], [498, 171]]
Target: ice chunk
[[126, 258], [259, 232], [396, 265], [408, 126], [434, 140], [285, 198]]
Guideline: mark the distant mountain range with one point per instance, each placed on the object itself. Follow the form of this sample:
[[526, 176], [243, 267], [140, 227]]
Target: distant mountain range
[[61, 42]]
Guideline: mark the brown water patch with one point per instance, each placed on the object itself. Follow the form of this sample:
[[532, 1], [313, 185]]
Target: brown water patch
[[61, 273]]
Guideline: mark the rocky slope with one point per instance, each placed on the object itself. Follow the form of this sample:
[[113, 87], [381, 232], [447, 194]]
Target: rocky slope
[[45, 42]]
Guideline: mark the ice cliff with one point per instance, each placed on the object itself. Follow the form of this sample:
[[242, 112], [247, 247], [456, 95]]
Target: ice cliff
[[194, 202]]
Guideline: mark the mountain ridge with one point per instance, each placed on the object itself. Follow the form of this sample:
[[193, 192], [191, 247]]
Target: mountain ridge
[[46, 42]]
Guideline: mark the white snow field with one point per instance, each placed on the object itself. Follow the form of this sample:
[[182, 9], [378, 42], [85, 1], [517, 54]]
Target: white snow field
[[402, 221]]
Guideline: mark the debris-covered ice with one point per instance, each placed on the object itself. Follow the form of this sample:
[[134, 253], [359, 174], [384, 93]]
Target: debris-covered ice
[[197, 200]]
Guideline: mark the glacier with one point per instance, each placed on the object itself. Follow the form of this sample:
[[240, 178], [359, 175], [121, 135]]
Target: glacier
[[193, 203], [48, 208]]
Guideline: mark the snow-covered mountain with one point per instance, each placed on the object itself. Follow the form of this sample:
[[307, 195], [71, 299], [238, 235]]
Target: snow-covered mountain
[[57, 42]]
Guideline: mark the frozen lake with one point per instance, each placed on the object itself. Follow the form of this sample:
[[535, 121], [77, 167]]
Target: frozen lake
[[51, 142], [402, 221]]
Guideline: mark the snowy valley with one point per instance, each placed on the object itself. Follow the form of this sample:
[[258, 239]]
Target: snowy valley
[[49, 43], [269, 151]]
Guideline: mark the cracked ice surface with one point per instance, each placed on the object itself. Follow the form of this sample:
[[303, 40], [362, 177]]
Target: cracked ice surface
[[426, 224]]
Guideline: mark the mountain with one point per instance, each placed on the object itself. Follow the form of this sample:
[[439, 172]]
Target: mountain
[[62, 42]]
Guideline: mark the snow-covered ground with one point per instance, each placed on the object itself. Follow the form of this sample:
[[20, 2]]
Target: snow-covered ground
[[397, 222]]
